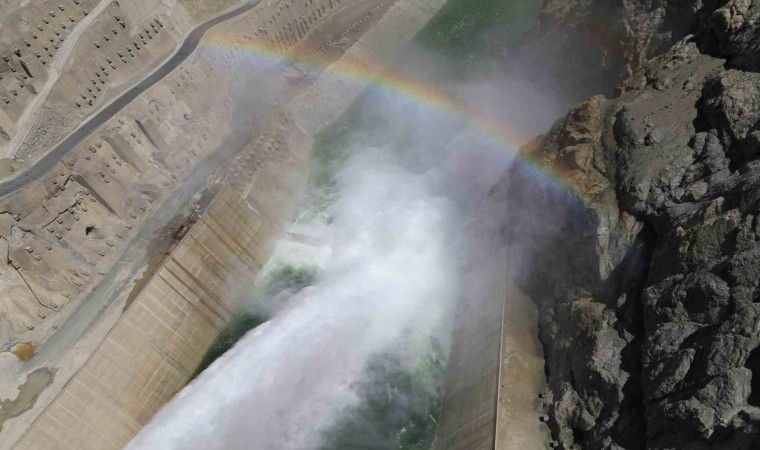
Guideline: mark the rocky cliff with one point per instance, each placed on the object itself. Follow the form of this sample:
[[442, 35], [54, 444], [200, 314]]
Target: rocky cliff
[[580, 48], [647, 277]]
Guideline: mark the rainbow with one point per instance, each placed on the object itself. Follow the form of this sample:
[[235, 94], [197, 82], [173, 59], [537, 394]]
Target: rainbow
[[260, 54]]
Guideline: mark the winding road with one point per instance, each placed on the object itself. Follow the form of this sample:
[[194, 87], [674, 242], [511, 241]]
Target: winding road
[[63, 148]]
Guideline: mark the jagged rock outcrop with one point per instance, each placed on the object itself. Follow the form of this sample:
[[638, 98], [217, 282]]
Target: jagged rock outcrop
[[580, 48], [732, 33], [584, 262], [647, 271]]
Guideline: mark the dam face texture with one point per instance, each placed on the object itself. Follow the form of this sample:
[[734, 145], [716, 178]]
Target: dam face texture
[[342, 224]]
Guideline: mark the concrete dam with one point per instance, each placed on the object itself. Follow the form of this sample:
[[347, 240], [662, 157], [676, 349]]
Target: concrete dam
[[138, 215]]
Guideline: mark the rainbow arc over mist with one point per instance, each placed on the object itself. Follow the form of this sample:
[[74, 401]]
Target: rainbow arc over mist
[[260, 54]]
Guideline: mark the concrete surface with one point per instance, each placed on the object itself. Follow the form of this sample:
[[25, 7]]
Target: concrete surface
[[159, 341], [521, 378]]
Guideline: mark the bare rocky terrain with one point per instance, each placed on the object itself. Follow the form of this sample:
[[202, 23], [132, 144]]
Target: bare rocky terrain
[[647, 272]]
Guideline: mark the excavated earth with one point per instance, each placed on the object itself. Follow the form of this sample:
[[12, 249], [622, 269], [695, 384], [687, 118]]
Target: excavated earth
[[647, 272]]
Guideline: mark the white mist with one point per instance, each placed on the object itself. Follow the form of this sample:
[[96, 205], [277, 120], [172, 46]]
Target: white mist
[[387, 274]]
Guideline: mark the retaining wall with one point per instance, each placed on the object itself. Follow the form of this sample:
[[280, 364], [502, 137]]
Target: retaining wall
[[159, 341]]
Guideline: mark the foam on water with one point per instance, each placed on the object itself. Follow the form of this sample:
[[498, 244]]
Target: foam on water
[[387, 277]]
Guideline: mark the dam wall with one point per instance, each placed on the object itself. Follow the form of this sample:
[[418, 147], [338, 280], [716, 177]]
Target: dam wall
[[468, 420], [162, 336], [495, 373], [495, 376], [330, 97]]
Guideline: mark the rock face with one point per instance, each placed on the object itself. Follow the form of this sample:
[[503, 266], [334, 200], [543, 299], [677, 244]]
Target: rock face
[[647, 275], [580, 48]]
